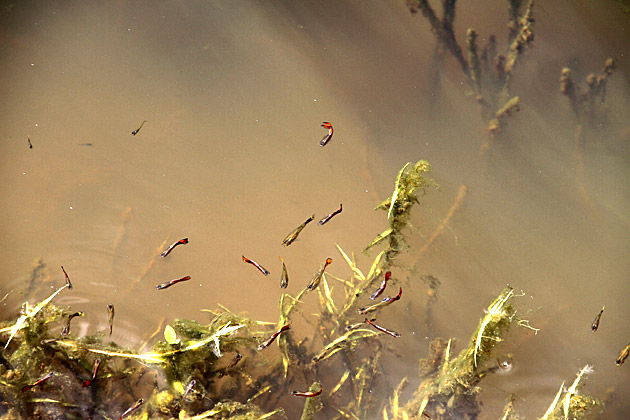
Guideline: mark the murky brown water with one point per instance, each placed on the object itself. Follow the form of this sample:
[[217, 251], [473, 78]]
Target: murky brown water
[[233, 94]]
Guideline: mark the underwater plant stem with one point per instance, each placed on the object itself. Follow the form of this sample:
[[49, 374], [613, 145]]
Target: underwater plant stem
[[513, 8], [585, 104], [554, 403], [461, 194], [444, 32], [312, 404], [147, 268], [508, 410], [523, 37], [580, 141], [473, 59]]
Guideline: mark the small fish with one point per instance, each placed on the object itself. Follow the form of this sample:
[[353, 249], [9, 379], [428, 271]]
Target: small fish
[[170, 283], [97, 364], [67, 278], [318, 276], [38, 382], [270, 340], [328, 136], [134, 132], [85, 144], [354, 326], [110, 315], [170, 248], [384, 302], [381, 288], [255, 264], [331, 215], [235, 361], [30, 145], [295, 232], [134, 407], [595, 324], [383, 329], [66, 328], [307, 394], [623, 355], [189, 388], [284, 277]]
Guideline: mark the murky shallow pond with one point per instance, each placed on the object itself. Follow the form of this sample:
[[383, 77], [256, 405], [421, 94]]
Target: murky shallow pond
[[234, 94]]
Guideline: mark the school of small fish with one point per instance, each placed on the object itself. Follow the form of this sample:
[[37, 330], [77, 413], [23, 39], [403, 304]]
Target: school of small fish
[[284, 282]]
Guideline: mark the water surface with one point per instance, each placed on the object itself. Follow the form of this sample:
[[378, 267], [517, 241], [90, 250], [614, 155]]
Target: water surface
[[234, 94]]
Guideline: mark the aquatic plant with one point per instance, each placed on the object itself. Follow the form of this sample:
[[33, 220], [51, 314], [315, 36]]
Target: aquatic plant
[[449, 386], [572, 405], [219, 369], [589, 106], [409, 183], [488, 71]]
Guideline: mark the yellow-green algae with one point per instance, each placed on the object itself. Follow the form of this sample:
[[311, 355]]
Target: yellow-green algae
[[255, 387]]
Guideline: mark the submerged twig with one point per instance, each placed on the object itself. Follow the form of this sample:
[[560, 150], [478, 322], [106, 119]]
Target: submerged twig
[[461, 194]]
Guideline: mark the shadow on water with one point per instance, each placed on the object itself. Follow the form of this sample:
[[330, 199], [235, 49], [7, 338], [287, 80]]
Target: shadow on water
[[234, 95]]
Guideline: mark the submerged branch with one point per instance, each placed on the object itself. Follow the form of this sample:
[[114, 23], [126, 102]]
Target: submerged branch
[[461, 194]]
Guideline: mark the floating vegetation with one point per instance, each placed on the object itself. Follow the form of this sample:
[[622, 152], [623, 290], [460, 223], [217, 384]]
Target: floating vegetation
[[235, 367], [488, 71]]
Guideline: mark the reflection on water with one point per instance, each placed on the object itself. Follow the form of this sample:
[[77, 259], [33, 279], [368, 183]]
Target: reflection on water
[[233, 96]]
